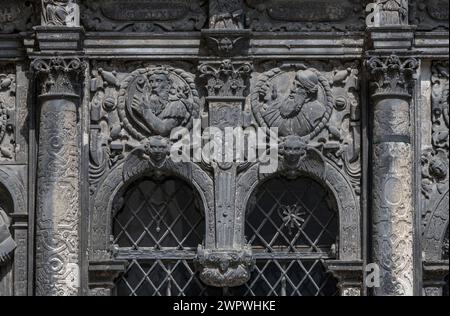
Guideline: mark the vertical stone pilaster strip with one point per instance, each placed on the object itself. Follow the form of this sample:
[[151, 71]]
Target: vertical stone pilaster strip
[[58, 178], [392, 203]]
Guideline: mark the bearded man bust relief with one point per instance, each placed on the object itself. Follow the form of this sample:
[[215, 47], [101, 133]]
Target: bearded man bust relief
[[301, 111], [162, 107]]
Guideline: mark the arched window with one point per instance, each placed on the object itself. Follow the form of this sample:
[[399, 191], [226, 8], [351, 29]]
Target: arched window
[[292, 225], [157, 228]]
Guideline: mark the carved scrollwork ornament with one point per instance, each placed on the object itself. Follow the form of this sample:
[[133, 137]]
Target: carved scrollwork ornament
[[392, 76], [225, 268], [58, 75], [226, 78]]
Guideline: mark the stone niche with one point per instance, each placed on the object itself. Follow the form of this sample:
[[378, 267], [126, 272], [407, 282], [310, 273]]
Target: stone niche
[[144, 16]]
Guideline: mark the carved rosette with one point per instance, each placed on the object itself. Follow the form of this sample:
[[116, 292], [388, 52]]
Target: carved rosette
[[393, 211], [58, 177]]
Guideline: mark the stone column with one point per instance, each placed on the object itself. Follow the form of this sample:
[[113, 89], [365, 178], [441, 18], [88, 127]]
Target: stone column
[[58, 178], [392, 199], [227, 265]]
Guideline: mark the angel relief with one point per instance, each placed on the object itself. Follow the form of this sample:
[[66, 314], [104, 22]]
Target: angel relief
[[156, 101]]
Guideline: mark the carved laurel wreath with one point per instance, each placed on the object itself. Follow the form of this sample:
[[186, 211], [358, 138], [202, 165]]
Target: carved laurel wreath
[[263, 85], [132, 124]]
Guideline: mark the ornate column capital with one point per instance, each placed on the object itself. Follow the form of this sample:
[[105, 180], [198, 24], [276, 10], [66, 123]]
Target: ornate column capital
[[58, 76], [392, 76], [226, 78], [59, 13]]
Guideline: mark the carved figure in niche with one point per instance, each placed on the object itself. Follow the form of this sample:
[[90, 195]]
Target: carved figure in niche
[[301, 111], [393, 12], [59, 12], [226, 14], [7, 243], [156, 101]]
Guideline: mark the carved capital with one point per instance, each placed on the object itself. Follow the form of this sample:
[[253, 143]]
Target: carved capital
[[226, 78], [58, 76], [221, 268], [392, 76], [60, 13]]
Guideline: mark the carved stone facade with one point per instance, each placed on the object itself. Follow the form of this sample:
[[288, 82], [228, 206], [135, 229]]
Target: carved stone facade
[[117, 163]]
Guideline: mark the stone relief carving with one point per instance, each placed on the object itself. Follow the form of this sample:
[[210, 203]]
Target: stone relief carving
[[303, 15], [313, 109], [60, 13], [58, 197], [226, 268], [429, 14], [137, 109], [16, 16], [226, 78], [7, 243], [144, 16], [435, 164], [393, 216], [393, 12], [226, 14], [156, 101], [7, 113]]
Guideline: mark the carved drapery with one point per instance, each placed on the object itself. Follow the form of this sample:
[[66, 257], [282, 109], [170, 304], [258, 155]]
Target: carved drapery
[[393, 210], [58, 177]]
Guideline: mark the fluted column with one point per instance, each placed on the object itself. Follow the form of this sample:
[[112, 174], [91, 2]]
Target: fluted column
[[58, 177], [392, 198]]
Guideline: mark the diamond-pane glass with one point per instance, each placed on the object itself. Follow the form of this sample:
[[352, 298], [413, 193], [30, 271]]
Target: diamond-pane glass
[[159, 214], [291, 216]]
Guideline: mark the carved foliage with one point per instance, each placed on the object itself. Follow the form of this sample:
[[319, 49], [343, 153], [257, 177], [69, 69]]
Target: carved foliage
[[58, 75], [305, 15], [392, 75], [7, 113], [226, 78], [144, 16], [16, 16]]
